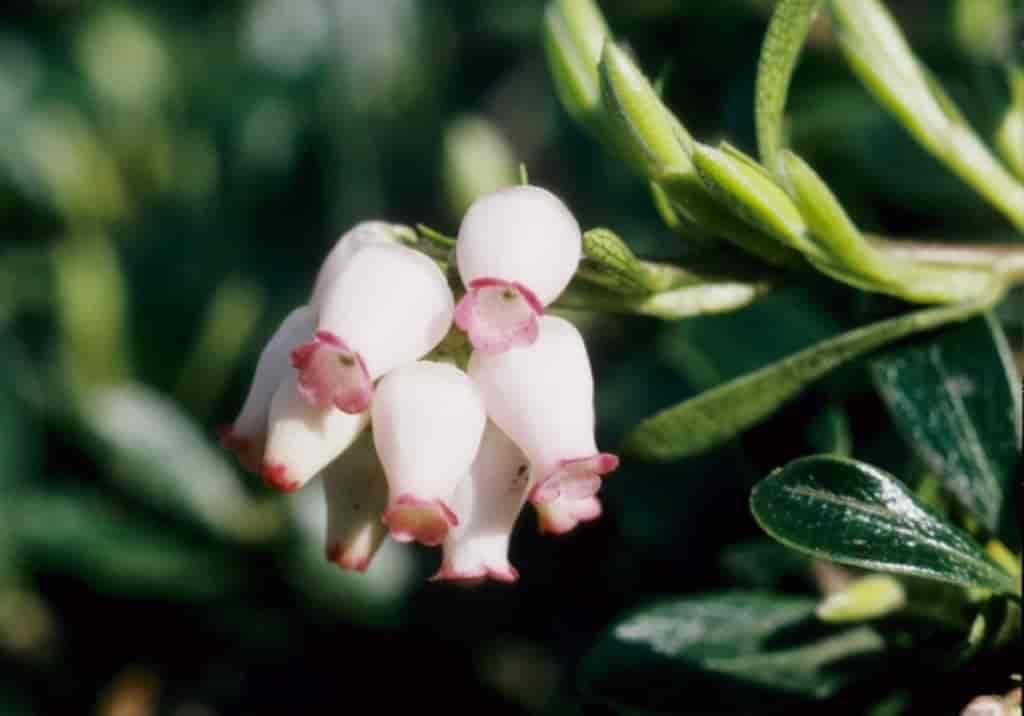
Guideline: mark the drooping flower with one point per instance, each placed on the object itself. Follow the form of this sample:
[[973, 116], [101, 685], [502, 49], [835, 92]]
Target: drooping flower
[[389, 306], [303, 439], [564, 513], [427, 423], [517, 251], [488, 501], [363, 234], [356, 492], [542, 397], [247, 435]]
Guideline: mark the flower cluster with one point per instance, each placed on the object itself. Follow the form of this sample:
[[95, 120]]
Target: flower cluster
[[426, 450]]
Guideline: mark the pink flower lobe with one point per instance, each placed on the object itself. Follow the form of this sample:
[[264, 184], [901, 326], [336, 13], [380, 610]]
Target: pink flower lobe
[[498, 315], [330, 373], [576, 479], [412, 519]]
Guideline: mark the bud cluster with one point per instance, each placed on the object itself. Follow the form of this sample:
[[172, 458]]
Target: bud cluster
[[423, 449]]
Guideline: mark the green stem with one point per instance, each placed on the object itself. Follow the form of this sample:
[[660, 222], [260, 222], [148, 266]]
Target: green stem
[[1005, 260]]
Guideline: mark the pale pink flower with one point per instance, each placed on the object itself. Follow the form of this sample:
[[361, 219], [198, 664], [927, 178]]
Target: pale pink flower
[[542, 397], [247, 435], [356, 492], [487, 501], [389, 306], [303, 439], [517, 250], [427, 423]]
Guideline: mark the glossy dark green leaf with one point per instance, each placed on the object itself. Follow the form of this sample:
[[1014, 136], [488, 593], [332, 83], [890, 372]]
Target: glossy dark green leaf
[[854, 513], [709, 419], [719, 653], [957, 400]]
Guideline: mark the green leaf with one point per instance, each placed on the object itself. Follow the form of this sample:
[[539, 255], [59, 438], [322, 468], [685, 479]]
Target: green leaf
[[157, 454], [879, 54], [639, 114], [853, 260], [957, 400], [854, 513], [709, 419], [746, 189], [117, 550], [779, 54], [702, 298], [725, 653]]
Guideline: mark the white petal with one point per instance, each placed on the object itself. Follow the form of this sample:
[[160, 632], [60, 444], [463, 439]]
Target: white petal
[[391, 305], [248, 433], [302, 440], [363, 234], [541, 396], [356, 492], [523, 234], [487, 502], [427, 422]]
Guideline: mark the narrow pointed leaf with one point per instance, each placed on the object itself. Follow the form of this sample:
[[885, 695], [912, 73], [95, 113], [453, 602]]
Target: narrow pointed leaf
[[158, 454], [714, 416], [854, 513], [779, 54], [957, 399], [117, 550], [725, 653]]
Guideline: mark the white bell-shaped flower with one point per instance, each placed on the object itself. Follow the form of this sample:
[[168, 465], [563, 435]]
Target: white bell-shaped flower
[[562, 514], [517, 250], [487, 501], [427, 423], [303, 439], [356, 492], [542, 397], [247, 435], [363, 234], [389, 306]]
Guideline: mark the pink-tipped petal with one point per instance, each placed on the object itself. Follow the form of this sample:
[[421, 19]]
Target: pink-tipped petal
[[474, 577], [332, 374], [498, 315], [575, 479], [346, 560], [411, 519], [563, 514], [246, 450], [276, 475]]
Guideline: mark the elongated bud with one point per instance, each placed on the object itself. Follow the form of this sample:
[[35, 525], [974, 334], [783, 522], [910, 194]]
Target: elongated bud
[[303, 439], [363, 234], [517, 251], [654, 130], [488, 501], [357, 494], [390, 306], [427, 423], [247, 435], [563, 514], [543, 398]]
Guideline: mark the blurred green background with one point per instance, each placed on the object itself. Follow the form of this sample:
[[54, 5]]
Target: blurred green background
[[171, 173]]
